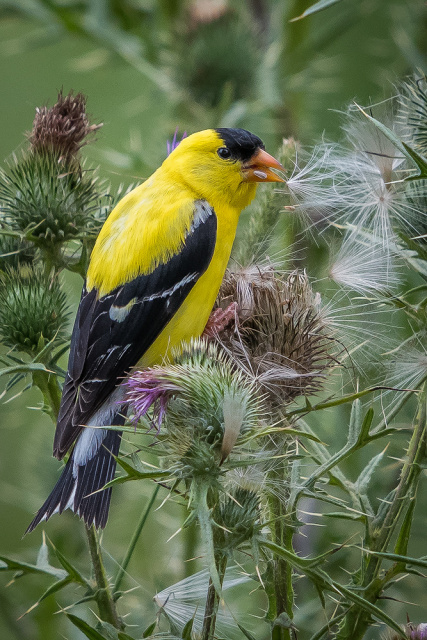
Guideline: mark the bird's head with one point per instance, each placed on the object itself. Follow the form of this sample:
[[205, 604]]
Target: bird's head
[[223, 165]]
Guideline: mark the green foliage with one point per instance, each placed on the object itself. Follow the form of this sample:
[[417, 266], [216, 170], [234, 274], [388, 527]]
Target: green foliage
[[33, 309], [45, 199], [246, 66]]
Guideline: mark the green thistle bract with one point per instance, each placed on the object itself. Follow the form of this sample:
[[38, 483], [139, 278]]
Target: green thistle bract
[[47, 199], [15, 252], [239, 515], [33, 309], [203, 389]]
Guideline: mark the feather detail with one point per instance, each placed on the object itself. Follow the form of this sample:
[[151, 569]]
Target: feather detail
[[78, 487]]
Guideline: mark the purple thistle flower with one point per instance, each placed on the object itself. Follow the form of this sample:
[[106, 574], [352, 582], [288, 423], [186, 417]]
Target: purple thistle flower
[[171, 146], [150, 388], [418, 633]]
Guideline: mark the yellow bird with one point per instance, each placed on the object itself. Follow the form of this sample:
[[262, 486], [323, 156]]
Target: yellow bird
[[153, 278]]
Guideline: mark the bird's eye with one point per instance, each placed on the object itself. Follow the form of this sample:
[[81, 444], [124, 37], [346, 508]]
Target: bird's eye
[[224, 153]]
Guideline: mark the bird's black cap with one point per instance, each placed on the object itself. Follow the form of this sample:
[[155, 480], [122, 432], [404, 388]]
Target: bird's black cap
[[241, 143]]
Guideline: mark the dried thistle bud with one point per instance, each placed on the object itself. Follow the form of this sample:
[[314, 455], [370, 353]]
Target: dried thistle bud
[[63, 128], [33, 308], [280, 338]]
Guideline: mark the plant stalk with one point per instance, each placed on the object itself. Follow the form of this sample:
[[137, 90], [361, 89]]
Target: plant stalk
[[104, 597], [131, 548], [213, 599], [356, 621], [282, 535]]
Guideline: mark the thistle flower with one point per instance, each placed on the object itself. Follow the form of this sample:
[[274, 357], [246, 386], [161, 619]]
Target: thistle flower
[[413, 632], [33, 309], [171, 146], [62, 129], [209, 406], [280, 339], [186, 599], [418, 632]]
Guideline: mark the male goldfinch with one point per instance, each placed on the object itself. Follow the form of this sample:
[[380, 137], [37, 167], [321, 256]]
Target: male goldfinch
[[154, 274]]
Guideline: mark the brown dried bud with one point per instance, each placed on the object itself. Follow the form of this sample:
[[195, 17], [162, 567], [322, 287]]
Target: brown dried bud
[[280, 336], [62, 128]]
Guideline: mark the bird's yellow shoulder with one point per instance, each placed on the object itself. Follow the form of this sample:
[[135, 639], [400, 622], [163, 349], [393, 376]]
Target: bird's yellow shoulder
[[144, 230]]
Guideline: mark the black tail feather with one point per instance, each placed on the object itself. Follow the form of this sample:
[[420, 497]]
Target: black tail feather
[[89, 502]]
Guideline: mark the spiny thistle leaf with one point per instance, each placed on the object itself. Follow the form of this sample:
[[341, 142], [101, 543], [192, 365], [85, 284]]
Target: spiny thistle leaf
[[85, 628], [33, 309]]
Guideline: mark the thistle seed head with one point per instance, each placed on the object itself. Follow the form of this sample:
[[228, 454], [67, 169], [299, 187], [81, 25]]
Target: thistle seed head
[[280, 338], [33, 309], [62, 129]]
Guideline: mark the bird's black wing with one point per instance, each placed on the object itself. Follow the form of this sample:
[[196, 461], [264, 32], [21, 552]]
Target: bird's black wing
[[112, 333]]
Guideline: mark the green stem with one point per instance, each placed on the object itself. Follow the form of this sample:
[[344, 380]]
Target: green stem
[[190, 540], [212, 600], [104, 598], [49, 386], [357, 621], [207, 500], [282, 535], [131, 548]]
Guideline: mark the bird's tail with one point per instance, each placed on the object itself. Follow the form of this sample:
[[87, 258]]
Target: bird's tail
[[78, 487]]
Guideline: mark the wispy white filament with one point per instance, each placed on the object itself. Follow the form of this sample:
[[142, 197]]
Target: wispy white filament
[[361, 184], [364, 266]]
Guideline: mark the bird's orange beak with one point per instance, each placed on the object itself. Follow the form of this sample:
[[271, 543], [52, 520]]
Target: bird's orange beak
[[258, 168]]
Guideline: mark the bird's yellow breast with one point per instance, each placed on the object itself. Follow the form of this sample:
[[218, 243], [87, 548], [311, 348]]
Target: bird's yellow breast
[[191, 318]]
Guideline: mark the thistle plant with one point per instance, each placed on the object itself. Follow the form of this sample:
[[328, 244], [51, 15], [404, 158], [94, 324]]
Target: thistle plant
[[265, 426], [48, 197], [33, 309]]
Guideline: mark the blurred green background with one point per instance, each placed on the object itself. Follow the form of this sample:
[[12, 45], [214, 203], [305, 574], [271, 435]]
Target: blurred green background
[[148, 67]]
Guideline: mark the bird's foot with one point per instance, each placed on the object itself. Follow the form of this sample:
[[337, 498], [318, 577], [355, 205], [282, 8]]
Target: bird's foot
[[219, 320]]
